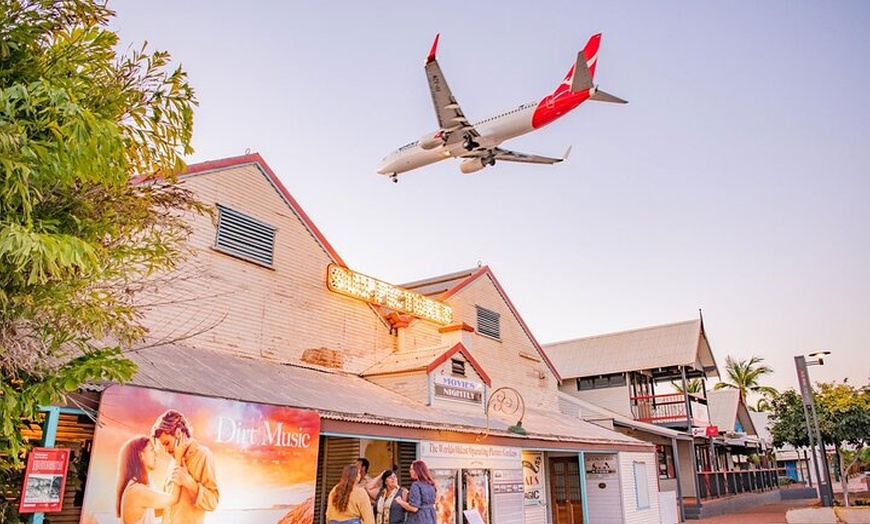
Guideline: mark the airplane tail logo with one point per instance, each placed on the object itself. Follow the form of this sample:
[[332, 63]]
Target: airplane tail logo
[[576, 87], [579, 76]]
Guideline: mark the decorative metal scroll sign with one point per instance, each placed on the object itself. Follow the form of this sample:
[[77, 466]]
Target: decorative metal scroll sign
[[508, 401]]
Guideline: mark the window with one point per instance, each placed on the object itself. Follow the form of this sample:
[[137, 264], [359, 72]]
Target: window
[[601, 381], [488, 323], [641, 486], [458, 366], [244, 237], [665, 455]]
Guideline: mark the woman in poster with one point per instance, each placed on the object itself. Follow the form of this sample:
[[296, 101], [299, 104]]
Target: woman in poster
[[348, 503], [136, 500], [421, 499]]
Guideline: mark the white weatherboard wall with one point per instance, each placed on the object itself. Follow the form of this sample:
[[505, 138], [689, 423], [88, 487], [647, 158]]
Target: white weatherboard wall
[[639, 470], [603, 504]]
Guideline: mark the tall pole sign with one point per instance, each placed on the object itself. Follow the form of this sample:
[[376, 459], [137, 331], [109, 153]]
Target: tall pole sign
[[826, 492]]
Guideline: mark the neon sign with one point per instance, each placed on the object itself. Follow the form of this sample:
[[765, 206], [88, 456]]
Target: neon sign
[[355, 285]]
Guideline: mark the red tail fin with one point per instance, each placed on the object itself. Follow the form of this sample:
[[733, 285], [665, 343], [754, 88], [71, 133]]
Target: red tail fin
[[590, 52]]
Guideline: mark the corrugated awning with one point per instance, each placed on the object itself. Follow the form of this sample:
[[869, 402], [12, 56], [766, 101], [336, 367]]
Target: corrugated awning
[[337, 396]]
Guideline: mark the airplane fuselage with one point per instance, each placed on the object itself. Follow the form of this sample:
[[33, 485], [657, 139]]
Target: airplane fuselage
[[493, 131]]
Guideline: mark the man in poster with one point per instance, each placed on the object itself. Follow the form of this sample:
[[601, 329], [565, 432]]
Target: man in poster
[[194, 470]]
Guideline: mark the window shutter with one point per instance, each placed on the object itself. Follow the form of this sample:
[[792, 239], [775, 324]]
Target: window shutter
[[244, 237], [488, 323]]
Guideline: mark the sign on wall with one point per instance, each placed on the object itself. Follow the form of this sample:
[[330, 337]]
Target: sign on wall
[[44, 480], [458, 389], [600, 465], [533, 477], [255, 462], [459, 455]]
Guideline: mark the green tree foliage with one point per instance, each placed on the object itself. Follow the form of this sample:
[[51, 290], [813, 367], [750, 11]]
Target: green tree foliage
[[745, 376], [844, 420], [694, 386], [787, 422], [78, 122]]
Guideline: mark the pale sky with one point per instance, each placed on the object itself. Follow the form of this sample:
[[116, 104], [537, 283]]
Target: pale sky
[[734, 182]]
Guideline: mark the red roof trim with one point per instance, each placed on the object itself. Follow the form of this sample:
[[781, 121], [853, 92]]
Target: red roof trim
[[460, 348], [484, 270], [256, 159]]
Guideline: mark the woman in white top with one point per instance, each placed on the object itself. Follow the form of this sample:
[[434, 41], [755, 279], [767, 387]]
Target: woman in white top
[[387, 507], [136, 500]]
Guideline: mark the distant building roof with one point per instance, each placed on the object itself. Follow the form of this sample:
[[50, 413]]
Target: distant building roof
[[659, 347], [726, 409], [761, 421], [723, 405]]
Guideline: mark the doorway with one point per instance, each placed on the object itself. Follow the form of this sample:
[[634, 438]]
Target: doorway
[[565, 491]]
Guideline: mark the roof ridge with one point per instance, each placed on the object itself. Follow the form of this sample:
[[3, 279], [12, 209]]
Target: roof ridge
[[438, 279], [625, 332]]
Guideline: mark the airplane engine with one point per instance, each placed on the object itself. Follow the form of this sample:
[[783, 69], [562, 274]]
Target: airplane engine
[[430, 142], [471, 165]]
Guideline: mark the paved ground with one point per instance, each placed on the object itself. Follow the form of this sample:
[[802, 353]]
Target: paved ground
[[767, 514], [775, 513]]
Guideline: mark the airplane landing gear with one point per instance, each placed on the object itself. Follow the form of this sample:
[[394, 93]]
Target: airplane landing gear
[[469, 144], [395, 178]]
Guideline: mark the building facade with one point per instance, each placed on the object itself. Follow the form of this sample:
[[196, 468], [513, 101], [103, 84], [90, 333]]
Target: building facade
[[283, 359]]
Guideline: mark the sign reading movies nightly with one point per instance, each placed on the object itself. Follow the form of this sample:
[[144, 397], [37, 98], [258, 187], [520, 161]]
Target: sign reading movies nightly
[[264, 456], [462, 390], [44, 480]]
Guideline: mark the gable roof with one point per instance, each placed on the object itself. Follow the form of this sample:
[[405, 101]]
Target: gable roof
[[425, 359], [726, 409], [651, 348], [445, 286], [256, 160], [761, 421]]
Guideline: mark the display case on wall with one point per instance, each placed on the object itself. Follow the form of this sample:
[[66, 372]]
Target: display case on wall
[[445, 497], [476, 492]]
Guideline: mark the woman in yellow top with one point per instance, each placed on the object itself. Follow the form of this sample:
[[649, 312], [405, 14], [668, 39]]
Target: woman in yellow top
[[348, 503]]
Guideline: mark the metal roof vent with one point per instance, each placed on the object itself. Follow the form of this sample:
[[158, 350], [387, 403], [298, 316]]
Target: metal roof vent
[[244, 237], [488, 323]]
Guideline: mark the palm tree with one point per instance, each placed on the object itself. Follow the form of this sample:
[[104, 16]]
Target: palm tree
[[745, 375], [765, 403], [694, 386]]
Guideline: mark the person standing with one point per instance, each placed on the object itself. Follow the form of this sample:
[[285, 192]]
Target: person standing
[[387, 508], [194, 469], [348, 503], [421, 497]]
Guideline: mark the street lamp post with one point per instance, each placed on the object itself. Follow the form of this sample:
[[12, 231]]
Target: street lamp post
[[826, 492]]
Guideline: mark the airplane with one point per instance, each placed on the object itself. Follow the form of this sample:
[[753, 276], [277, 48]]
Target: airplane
[[477, 145]]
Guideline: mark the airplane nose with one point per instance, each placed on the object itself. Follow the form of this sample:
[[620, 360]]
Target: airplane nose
[[385, 167]]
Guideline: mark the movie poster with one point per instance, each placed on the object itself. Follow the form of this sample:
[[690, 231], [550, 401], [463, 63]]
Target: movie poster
[[445, 495], [254, 463], [476, 492]]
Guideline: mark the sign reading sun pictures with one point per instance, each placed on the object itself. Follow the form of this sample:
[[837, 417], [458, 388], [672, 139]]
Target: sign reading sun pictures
[[253, 463], [356, 285]]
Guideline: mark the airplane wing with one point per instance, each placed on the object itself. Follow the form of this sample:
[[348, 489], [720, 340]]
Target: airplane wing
[[504, 155], [451, 119]]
